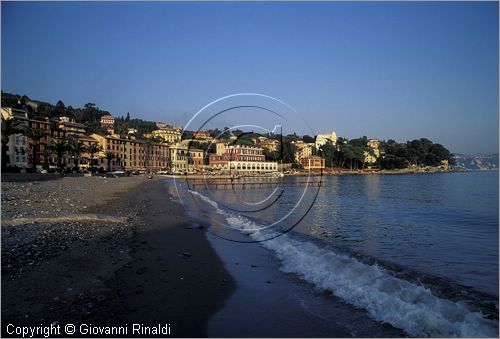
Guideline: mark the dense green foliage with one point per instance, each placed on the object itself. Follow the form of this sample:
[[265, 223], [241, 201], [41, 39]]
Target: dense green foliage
[[421, 152], [122, 124], [351, 154]]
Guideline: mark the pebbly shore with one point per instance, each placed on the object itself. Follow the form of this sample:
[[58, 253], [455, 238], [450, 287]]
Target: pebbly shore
[[105, 251]]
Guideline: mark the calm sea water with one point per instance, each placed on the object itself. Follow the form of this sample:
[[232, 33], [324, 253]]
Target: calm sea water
[[419, 252], [442, 224]]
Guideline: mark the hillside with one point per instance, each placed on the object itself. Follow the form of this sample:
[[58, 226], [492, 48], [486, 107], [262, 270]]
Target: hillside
[[90, 114], [477, 162]]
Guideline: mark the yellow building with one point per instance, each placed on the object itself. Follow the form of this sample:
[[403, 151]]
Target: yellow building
[[374, 144], [270, 145], [220, 147], [445, 165], [303, 150], [371, 159], [169, 134], [312, 163], [179, 158]]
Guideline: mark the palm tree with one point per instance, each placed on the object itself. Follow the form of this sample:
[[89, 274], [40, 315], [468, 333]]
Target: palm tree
[[59, 147], [109, 156], [149, 147], [76, 149], [92, 150], [35, 134], [9, 127]]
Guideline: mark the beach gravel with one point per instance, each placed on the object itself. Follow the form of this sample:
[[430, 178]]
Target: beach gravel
[[133, 259]]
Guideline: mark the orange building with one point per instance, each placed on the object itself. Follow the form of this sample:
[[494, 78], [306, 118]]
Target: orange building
[[132, 154], [313, 163]]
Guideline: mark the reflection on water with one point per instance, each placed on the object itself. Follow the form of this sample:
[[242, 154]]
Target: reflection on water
[[441, 224], [374, 240]]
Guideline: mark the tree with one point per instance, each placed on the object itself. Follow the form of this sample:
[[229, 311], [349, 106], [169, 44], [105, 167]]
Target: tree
[[109, 156], [9, 127], [76, 149], [59, 147], [35, 134], [288, 148], [329, 152], [92, 150], [149, 147], [307, 138]]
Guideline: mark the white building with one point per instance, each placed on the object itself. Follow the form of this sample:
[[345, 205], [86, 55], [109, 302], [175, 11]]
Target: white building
[[322, 139]]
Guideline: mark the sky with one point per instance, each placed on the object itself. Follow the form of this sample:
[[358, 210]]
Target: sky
[[387, 70]]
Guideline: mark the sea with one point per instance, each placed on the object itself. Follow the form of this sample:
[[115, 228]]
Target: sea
[[354, 255]]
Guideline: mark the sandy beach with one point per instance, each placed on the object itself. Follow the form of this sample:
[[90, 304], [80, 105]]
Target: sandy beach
[[106, 252]]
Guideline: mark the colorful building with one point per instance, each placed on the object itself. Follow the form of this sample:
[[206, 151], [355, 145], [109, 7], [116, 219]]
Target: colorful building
[[132, 154], [303, 150], [313, 163], [242, 160], [179, 158]]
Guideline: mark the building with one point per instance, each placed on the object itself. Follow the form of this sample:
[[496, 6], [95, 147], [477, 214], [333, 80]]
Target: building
[[85, 157], [107, 121], [313, 163], [445, 165], [169, 134], [202, 136], [17, 146], [196, 158], [68, 126], [322, 139], [132, 154], [242, 160], [373, 143], [270, 145], [371, 158], [303, 150], [179, 158], [40, 149], [220, 147]]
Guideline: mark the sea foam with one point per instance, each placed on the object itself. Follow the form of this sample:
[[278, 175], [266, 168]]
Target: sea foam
[[386, 298]]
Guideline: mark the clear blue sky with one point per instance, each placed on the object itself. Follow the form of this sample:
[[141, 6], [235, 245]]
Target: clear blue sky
[[384, 70]]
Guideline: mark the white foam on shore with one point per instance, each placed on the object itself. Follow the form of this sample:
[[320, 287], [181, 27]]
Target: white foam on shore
[[388, 299]]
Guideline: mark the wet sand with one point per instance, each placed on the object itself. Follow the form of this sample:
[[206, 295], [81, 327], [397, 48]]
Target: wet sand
[[153, 268]]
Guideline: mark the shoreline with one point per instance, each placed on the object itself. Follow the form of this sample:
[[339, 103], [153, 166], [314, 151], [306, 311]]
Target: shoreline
[[156, 267], [146, 260], [317, 173]]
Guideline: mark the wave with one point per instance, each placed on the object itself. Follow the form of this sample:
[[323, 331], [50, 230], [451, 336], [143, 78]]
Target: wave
[[386, 298]]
